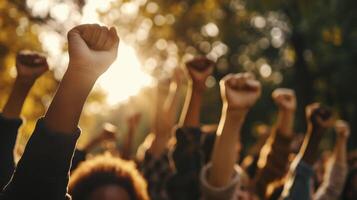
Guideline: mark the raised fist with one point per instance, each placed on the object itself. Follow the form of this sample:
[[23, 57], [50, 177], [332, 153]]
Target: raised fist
[[240, 91], [320, 117], [30, 65], [342, 129], [285, 99], [199, 69], [92, 48]]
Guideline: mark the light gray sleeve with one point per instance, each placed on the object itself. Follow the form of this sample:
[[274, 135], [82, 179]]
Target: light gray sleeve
[[227, 192], [333, 182]]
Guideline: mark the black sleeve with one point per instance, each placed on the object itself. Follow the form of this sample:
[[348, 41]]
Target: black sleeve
[[8, 134], [78, 157], [43, 170]]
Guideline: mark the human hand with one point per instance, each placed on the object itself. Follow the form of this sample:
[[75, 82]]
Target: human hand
[[92, 48], [342, 129], [30, 65], [285, 99], [240, 91], [318, 116], [199, 69]]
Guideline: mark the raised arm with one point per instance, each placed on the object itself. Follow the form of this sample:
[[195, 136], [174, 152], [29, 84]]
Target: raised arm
[[239, 93], [199, 69], [166, 114], [92, 49], [29, 66], [298, 186], [274, 156], [47, 157], [336, 172], [133, 123]]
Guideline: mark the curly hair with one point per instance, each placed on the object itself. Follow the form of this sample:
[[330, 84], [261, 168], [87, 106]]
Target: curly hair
[[105, 170]]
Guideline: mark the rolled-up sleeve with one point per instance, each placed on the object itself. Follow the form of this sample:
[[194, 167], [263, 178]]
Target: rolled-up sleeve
[[227, 192]]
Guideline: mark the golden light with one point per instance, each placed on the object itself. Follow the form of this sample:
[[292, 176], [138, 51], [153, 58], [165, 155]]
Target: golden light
[[125, 77]]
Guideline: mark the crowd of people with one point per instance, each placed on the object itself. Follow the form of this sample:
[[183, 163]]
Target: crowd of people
[[179, 159]]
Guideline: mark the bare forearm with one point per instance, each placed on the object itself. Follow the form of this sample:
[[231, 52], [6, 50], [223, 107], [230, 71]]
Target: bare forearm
[[17, 98], [65, 110], [160, 100], [225, 153], [128, 143], [171, 103], [340, 150], [285, 122], [192, 108], [309, 149]]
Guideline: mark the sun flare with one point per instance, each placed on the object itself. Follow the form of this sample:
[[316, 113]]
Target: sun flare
[[125, 77]]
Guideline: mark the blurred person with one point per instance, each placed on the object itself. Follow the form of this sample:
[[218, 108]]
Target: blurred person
[[273, 160], [42, 172], [132, 123], [187, 154], [153, 153], [105, 177], [108, 134], [298, 184], [250, 161], [350, 189], [30, 65]]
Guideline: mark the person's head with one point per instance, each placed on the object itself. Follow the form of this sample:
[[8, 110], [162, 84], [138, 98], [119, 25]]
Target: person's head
[[107, 178]]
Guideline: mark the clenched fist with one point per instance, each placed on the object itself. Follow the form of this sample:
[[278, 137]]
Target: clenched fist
[[285, 99], [199, 69], [342, 129], [320, 117], [92, 48], [240, 91], [30, 65]]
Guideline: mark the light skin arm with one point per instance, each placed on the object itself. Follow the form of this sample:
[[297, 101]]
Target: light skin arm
[[29, 66], [239, 94], [166, 116], [190, 116], [340, 151], [286, 101], [133, 123], [92, 49]]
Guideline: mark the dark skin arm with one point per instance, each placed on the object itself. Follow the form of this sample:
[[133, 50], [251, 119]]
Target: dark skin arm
[[319, 120], [90, 55], [199, 69], [29, 66]]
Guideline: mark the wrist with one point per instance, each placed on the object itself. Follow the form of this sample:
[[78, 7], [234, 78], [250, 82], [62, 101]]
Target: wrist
[[24, 82], [341, 137], [236, 113], [82, 72], [287, 112]]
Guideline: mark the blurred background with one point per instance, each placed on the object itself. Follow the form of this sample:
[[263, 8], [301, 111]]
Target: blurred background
[[310, 46]]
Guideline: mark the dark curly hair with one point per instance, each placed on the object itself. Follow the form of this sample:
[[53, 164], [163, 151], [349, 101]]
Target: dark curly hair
[[107, 170]]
